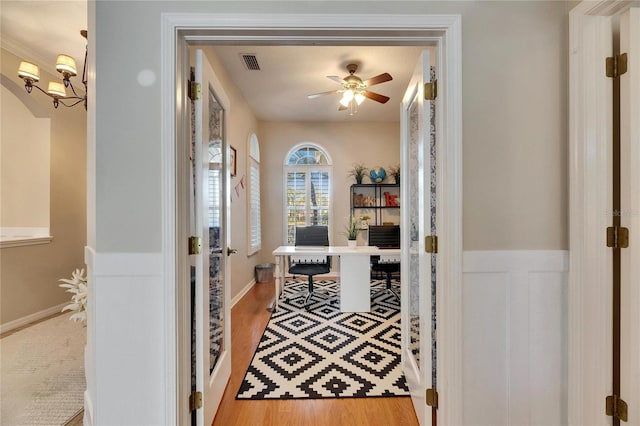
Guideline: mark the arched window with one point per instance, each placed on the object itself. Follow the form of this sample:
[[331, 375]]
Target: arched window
[[307, 188]]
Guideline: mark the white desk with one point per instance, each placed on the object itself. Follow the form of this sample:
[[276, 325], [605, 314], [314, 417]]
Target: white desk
[[354, 278]]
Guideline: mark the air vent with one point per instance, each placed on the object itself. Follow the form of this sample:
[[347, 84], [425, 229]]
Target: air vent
[[250, 61]]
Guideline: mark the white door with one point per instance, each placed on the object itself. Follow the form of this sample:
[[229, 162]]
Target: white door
[[418, 222], [630, 214], [212, 366]]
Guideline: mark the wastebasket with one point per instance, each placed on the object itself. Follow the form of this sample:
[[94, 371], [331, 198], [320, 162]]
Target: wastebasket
[[264, 272]]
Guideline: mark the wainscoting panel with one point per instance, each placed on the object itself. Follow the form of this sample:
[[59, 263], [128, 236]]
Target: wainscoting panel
[[515, 334]]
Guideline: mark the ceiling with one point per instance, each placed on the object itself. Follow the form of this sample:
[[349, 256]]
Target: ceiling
[[278, 91]]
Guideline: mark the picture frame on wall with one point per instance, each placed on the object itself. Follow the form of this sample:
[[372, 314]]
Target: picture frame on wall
[[233, 163]]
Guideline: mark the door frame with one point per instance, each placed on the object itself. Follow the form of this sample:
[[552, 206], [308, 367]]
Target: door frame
[[590, 201], [445, 30]]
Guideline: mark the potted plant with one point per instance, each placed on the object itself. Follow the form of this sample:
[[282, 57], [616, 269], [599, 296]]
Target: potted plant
[[395, 172], [77, 286], [358, 172], [351, 231]]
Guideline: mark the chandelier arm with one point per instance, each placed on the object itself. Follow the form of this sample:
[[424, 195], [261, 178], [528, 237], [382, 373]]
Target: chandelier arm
[[60, 100], [42, 90], [76, 95]]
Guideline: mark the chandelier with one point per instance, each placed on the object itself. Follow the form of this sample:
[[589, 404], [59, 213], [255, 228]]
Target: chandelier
[[66, 66]]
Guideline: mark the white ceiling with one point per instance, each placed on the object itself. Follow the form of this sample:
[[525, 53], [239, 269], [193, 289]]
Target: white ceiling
[[277, 92]]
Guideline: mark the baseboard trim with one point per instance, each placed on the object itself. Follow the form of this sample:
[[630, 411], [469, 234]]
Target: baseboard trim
[[20, 322], [242, 292]]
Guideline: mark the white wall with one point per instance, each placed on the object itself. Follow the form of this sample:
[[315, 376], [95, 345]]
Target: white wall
[[515, 337], [25, 147]]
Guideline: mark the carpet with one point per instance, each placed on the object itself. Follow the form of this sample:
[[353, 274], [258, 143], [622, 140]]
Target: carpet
[[325, 353], [42, 373]]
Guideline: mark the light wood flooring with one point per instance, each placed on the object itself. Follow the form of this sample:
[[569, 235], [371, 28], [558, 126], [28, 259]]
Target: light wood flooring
[[249, 318]]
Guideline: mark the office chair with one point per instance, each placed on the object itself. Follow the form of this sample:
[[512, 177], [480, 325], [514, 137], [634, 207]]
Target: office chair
[[314, 235], [385, 237]]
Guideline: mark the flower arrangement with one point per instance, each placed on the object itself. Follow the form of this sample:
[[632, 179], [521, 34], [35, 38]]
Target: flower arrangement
[[358, 172], [77, 286], [395, 172]]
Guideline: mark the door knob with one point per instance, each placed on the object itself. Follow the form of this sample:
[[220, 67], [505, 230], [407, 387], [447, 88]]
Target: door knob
[[231, 251]]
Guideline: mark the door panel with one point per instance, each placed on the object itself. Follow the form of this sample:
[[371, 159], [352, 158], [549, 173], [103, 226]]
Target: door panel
[[630, 214], [418, 317], [211, 196]]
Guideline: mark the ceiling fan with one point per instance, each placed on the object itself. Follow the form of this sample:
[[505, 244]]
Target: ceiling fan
[[354, 89]]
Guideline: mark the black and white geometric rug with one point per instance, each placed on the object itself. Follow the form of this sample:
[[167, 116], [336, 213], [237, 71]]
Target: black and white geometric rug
[[325, 353]]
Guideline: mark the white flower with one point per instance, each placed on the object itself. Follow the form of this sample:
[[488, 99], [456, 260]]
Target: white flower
[[77, 286]]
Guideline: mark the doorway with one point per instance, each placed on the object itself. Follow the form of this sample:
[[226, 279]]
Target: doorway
[[444, 31]]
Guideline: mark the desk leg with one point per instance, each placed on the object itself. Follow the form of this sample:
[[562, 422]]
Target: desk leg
[[277, 282], [355, 293]]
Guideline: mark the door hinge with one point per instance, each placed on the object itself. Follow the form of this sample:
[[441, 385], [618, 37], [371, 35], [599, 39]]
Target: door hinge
[[431, 243], [195, 245], [616, 65], [195, 401], [616, 408], [431, 90], [432, 398], [194, 90], [617, 237]]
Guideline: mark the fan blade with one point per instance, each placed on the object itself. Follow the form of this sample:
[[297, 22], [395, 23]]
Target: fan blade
[[335, 78], [376, 96], [378, 79], [342, 107], [317, 95]]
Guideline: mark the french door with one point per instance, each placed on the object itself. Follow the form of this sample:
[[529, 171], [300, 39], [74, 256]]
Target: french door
[[211, 317], [418, 229]]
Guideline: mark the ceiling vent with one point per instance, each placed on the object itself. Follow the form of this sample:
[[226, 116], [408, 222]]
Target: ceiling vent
[[250, 61]]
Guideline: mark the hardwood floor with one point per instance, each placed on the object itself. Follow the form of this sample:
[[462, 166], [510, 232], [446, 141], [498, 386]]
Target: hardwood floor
[[248, 320]]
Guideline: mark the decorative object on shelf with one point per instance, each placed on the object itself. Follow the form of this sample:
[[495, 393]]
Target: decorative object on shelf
[[377, 174], [66, 66], [358, 172], [395, 172], [390, 200], [351, 231], [77, 286], [364, 224]]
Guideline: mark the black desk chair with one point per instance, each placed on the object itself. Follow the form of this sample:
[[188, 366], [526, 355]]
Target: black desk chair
[[386, 236], [314, 235]]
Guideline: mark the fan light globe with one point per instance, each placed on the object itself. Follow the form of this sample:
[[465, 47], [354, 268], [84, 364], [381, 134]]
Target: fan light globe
[[66, 65], [29, 71], [359, 98]]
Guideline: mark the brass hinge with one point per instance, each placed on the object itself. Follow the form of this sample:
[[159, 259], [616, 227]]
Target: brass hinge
[[431, 243], [616, 65], [194, 90], [432, 398], [431, 90], [195, 401], [195, 245], [616, 408], [617, 237]]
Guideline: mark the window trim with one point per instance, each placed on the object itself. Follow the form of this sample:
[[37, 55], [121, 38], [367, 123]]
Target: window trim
[[253, 158]]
